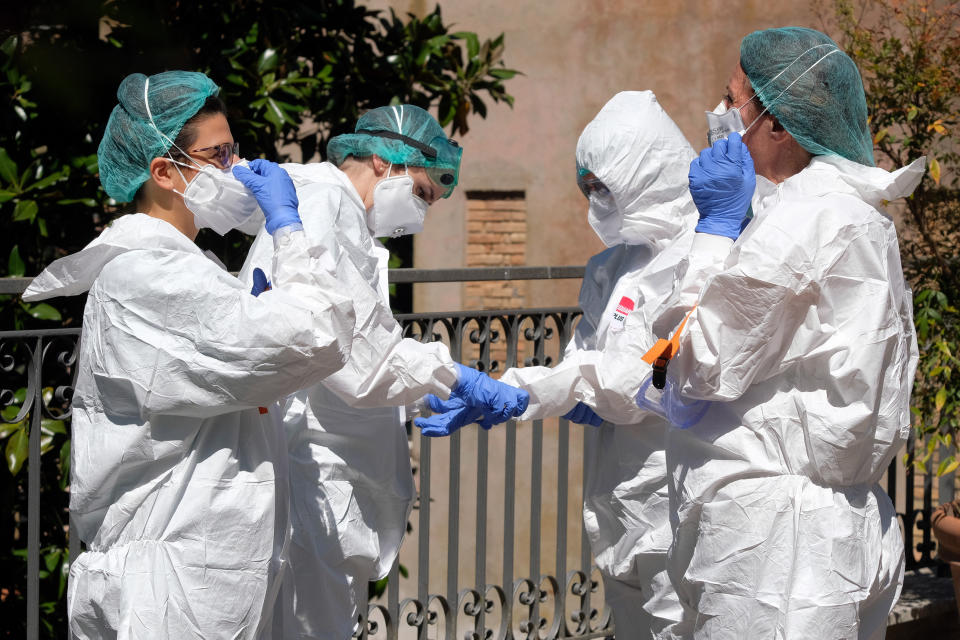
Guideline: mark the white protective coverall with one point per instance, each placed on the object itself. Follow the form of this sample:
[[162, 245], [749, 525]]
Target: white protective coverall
[[179, 484], [803, 342], [643, 159], [350, 477]]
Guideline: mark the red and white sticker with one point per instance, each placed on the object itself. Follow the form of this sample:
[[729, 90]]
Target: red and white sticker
[[621, 312]]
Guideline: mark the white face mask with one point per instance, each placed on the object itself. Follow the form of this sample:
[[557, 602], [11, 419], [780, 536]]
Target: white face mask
[[723, 121], [217, 199], [604, 218], [396, 211]]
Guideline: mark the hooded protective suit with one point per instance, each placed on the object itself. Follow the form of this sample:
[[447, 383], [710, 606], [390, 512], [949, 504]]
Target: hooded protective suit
[[350, 475], [642, 159], [179, 484], [803, 343]]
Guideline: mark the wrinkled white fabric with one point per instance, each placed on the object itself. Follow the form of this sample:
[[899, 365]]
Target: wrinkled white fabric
[[179, 484], [803, 341], [351, 480], [643, 159]]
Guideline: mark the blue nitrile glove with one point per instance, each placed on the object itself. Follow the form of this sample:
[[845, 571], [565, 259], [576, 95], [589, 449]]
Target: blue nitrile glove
[[498, 401], [260, 282], [449, 415], [583, 414], [722, 182], [274, 191]]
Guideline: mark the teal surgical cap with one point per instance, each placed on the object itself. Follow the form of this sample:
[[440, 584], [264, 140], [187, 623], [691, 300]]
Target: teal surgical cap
[[812, 88], [402, 134], [130, 141]]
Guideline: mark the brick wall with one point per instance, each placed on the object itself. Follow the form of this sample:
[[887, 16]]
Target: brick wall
[[496, 237]]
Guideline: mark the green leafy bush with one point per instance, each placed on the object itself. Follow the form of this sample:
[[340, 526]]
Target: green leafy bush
[[293, 74], [909, 54]]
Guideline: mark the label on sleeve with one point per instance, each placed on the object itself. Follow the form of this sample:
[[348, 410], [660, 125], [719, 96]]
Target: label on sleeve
[[624, 307]]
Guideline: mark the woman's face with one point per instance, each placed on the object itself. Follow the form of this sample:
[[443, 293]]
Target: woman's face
[[213, 145]]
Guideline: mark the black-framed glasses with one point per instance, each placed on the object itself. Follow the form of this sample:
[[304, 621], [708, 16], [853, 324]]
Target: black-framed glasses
[[225, 153]]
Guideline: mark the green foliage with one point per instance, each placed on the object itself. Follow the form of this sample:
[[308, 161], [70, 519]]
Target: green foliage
[[293, 74], [936, 396], [909, 54], [14, 440]]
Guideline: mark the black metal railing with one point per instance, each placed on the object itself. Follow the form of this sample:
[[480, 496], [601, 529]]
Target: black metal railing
[[492, 505]]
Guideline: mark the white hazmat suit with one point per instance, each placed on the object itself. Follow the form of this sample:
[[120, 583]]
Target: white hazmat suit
[[642, 158], [350, 477], [803, 343], [179, 484]]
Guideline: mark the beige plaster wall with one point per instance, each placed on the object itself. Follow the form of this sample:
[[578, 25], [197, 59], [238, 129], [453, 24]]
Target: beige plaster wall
[[575, 56]]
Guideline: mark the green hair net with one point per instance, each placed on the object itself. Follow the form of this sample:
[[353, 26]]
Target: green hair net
[[130, 141], [812, 88], [402, 134]]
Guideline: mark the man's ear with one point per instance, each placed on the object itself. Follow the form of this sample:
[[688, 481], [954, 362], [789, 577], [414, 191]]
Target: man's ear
[[777, 132], [165, 176]]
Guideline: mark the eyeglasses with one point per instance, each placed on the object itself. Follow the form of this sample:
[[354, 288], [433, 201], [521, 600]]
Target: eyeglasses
[[225, 153]]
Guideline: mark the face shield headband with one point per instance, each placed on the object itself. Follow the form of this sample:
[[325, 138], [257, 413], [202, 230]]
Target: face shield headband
[[442, 154]]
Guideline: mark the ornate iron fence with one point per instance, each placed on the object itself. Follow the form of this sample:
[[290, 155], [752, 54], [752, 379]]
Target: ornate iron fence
[[561, 598]]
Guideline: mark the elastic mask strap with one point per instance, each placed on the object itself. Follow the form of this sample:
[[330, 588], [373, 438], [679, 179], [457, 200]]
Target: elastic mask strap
[[787, 88], [794, 61], [163, 136]]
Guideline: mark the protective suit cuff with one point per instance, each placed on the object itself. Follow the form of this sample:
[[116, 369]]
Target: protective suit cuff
[[282, 236], [708, 243]]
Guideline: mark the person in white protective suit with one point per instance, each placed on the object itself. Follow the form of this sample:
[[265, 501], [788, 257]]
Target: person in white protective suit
[[803, 350], [632, 164], [179, 486], [350, 475]]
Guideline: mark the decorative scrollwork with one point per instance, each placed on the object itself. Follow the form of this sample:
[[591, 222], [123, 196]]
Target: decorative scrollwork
[[368, 625], [64, 351], [16, 365]]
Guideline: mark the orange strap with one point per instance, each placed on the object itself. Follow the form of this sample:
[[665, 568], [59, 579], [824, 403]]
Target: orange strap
[[666, 349]]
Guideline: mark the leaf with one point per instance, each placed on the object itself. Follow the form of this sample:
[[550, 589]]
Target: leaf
[[89, 202], [9, 46], [65, 465], [473, 42], [8, 168], [8, 428], [17, 450], [506, 74], [43, 311], [46, 443], [948, 465], [935, 171], [876, 139], [912, 112], [268, 61], [15, 266], [941, 398], [53, 426], [52, 559], [25, 210], [43, 183]]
